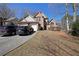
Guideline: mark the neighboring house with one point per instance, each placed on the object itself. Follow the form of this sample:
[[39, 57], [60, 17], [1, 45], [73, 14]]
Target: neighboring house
[[13, 20], [5, 21], [29, 20], [42, 20], [53, 25]]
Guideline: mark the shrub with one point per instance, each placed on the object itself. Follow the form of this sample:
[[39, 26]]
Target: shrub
[[75, 28]]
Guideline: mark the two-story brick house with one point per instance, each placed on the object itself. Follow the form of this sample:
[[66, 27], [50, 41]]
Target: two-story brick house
[[42, 20]]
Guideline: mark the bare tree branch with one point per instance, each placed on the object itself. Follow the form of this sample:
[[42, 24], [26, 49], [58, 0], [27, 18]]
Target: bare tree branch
[[5, 13]]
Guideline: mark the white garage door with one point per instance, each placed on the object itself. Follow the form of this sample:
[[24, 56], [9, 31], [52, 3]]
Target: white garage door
[[35, 27]]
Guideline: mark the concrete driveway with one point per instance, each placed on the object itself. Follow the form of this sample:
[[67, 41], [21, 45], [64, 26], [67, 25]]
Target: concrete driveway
[[48, 43], [9, 43]]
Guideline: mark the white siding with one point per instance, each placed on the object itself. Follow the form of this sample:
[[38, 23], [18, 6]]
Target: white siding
[[28, 19], [35, 27]]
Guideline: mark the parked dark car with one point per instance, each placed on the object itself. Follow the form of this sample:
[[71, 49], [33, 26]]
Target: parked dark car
[[10, 30], [25, 30]]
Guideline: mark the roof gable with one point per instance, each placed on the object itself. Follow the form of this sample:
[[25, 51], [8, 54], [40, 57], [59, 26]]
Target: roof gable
[[52, 20], [40, 14], [28, 19], [12, 18]]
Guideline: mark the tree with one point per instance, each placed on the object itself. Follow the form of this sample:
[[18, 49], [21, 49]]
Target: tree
[[75, 29], [5, 13], [75, 24], [67, 18], [27, 12], [75, 7], [57, 7], [74, 11]]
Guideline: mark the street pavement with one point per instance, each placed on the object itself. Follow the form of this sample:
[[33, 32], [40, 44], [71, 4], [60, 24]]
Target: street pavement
[[11, 42]]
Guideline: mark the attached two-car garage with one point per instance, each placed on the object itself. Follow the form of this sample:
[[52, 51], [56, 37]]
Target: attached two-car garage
[[29, 21]]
